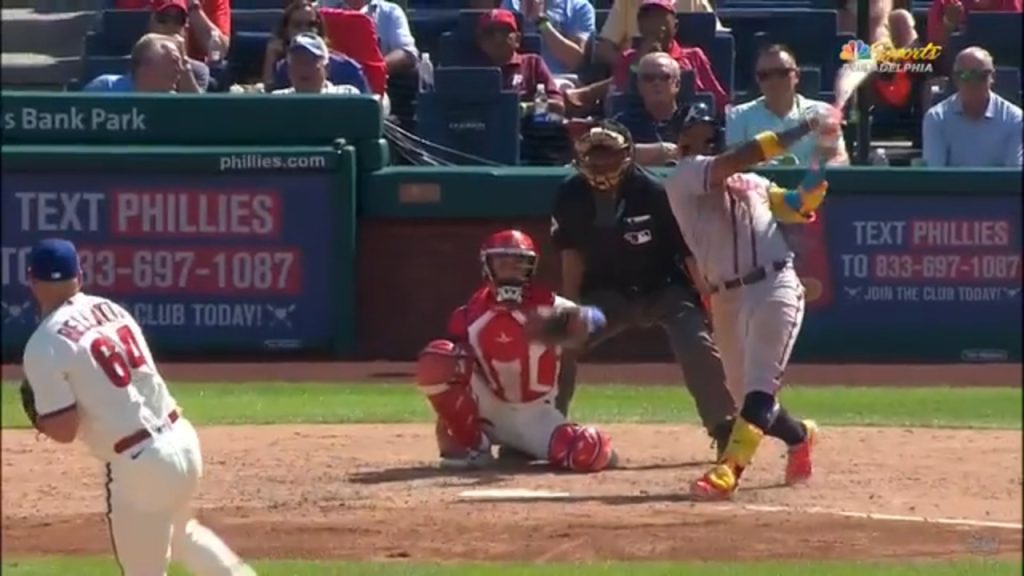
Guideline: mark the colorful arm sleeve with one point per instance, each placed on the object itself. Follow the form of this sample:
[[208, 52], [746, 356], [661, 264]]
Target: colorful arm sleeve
[[799, 206]]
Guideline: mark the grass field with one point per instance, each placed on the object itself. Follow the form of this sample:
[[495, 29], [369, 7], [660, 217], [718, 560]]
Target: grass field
[[349, 403]]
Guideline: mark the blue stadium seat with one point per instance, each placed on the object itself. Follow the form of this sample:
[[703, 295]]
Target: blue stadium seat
[[120, 29], [246, 55], [696, 29], [810, 33], [810, 82], [999, 33], [1007, 83], [256, 4], [470, 113], [723, 60], [255, 20]]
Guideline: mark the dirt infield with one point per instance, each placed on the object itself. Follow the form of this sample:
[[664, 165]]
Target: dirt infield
[[653, 373], [372, 492]]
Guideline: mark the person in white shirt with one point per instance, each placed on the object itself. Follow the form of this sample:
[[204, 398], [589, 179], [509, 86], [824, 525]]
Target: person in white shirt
[[93, 377]]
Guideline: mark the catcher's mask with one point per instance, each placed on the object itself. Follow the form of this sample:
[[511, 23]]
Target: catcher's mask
[[697, 130], [603, 154], [508, 259]]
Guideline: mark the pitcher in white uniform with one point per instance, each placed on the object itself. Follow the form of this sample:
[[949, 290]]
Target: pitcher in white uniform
[[92, 376], [731, 221]]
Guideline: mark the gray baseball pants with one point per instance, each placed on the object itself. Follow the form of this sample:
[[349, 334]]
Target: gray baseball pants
[[677, 311]]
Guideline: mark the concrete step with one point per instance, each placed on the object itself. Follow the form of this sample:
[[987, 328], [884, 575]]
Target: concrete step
[[39, 70], [57, 35]]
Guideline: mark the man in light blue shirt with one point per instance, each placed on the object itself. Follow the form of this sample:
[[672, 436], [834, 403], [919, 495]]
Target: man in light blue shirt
[[158, 64], [395, 37], [564, 27], [779, 108], [974, 127]]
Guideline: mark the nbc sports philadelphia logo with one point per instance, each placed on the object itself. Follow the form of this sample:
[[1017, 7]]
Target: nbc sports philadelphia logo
[[879, 57]]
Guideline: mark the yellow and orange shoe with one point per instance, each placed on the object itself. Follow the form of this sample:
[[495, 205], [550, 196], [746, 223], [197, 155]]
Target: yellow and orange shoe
[[719, 483], [798, 463]]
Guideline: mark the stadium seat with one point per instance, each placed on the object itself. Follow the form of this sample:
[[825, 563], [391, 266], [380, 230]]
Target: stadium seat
[[810, 33], [246, 54], [257, 4], [696, 29], [120, 29], [1007, 83], [469, 112], [255, 20], [723, 60], [999, 33]]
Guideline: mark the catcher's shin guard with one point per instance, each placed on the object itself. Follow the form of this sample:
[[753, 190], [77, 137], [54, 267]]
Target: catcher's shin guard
[[442, 375], [580, 448]]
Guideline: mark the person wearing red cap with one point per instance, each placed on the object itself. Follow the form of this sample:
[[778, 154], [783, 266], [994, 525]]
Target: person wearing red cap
[[498, 38], [169, 17]]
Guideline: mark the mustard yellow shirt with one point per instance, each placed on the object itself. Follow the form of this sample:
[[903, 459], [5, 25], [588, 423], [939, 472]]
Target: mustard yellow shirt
[[621, 23]]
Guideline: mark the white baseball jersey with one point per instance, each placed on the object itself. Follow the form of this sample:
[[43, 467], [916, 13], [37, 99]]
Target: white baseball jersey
[[91, 354], [730, 233]]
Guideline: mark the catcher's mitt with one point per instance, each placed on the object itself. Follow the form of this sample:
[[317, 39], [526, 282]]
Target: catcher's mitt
[[28, 403]]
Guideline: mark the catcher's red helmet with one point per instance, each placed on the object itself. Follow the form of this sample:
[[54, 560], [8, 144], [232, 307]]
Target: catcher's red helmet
[[519, 246]]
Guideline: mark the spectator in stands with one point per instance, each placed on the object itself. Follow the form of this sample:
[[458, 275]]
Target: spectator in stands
[[209, 29], [169, 18], [498, 38], [948, 16], [780, 107], [158, 64], [654, 126], [657, 24], [396, 41], [307, 68], [564, 27], [902, 29], [975, 127], [301, 16], [622, 25], [878, 22]]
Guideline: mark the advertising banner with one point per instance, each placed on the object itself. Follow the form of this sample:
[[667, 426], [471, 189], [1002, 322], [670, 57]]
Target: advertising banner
[[215, 262], [941, 273]]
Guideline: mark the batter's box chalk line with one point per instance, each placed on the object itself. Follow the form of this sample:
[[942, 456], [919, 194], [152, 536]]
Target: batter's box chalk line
[[878, 516]]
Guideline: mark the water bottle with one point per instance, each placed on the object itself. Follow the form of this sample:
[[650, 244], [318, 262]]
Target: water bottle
[[426, 73], [879, 157], [540, 103], [216, 50]]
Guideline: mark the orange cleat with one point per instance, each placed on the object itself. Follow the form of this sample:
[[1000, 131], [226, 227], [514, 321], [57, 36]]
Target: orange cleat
[[798, 462]]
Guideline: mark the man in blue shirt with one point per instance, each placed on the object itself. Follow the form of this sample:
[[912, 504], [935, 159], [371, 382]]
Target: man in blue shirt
[[158, 64], [652, 120], [564, 27], [974, 127]]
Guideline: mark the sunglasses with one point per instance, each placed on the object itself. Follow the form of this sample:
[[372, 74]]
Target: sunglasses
[[652, 77], [770, 73], [176, 17], [973, 75]]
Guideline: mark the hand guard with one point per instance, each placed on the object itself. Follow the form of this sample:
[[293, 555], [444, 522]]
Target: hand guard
[[568, 327], [28, 403]]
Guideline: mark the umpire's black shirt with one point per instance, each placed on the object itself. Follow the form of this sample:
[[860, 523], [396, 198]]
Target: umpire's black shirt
[[630, 241]]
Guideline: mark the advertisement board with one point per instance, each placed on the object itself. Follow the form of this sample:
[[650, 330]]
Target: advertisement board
[[216, 262]]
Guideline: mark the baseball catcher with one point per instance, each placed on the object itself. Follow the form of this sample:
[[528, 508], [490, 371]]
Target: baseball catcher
[[494, 379]]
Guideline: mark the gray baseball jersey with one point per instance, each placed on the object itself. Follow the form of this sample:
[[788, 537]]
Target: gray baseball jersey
[[732, 234]]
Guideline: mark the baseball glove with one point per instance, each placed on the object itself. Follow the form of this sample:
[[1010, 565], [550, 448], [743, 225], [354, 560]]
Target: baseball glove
[[28, 403]]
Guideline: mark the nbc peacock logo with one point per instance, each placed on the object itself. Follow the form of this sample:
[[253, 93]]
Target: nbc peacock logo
[[863, 57]]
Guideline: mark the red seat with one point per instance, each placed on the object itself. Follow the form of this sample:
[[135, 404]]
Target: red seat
[[354, 34]]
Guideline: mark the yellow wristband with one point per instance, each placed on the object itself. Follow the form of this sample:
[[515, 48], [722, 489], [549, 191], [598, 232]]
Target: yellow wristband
[[770, 146]]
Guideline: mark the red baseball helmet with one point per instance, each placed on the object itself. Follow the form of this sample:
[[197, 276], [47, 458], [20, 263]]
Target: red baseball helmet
[[508, 279]]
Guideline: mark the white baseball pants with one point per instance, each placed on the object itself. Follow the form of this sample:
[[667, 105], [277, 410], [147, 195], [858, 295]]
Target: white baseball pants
[[149, 493]]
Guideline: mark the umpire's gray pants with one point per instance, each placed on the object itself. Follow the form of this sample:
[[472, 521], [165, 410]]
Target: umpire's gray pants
[[676, 310]]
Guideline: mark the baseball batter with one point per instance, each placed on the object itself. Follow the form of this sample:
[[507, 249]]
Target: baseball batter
[[90, 374], [731, 221], [495, 379]]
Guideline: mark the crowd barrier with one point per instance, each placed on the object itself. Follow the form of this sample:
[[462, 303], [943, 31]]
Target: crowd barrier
[[273, 227]]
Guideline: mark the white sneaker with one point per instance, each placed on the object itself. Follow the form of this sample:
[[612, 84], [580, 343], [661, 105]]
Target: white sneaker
[[474, 459]]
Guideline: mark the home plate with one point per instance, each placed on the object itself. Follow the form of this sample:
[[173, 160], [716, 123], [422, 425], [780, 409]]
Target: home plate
[[512, 494]]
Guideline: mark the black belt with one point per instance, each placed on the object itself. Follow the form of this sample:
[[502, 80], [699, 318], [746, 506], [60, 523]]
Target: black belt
[[753, 277]]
